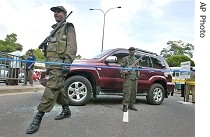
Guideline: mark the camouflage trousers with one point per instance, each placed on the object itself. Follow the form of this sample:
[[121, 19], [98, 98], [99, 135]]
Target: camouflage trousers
[[54, 91], [129, 91]]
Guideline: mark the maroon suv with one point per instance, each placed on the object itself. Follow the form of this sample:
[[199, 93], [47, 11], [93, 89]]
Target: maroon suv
[[101, 75]]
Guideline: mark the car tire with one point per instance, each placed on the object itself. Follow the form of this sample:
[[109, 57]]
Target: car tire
[[78, 90], [155, 96]]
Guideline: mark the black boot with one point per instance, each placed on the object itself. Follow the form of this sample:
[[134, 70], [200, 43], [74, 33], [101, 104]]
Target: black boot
[[34, 126], [132, 108], [124, 108], [66, 113]]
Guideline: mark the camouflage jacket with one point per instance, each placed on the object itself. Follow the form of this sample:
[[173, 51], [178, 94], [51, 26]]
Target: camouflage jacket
[[126, 63], [63, 46]]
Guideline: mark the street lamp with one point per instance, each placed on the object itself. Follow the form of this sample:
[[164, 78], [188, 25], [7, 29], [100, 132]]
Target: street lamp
[[104, 23]]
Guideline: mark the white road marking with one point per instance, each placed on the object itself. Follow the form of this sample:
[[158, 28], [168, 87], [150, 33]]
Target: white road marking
[[125, 116], [182, 102], [15, 93]]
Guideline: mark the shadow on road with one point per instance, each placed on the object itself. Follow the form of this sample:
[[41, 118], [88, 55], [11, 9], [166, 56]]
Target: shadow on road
[[114, 99]]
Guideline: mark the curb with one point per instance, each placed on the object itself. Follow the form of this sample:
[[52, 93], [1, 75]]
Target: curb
[[15, 89]]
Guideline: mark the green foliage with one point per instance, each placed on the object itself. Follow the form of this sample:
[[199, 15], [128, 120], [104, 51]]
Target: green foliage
[[39, 55], [9, 44], [78, 57], [11, 38], [177, 48], [175, 60]]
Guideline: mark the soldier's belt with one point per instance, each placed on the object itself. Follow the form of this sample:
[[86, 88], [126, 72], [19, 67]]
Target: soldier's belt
[[133, 79]]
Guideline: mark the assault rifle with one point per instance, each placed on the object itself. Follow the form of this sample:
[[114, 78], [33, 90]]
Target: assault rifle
[[43, 45], [131, 66]]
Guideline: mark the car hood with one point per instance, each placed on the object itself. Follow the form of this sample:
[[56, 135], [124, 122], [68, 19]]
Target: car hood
[[86, 61]]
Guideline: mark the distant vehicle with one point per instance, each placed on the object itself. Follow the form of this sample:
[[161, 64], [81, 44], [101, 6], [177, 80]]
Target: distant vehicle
[[178, 78], [35, 76], [4, 72]]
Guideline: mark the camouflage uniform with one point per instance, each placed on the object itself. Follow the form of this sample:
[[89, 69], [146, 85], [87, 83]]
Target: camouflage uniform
[[63, 50], [130, 82]]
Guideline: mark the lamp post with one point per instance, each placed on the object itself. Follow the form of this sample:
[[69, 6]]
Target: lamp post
[[104, 23]]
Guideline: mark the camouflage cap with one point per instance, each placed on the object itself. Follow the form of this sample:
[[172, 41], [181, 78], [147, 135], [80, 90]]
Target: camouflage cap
[[132, 48], [58, 8]]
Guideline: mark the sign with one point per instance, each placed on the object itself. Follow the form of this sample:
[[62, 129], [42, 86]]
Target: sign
[[185, 70]]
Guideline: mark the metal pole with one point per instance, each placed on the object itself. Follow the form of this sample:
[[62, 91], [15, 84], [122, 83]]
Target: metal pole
[[104, 23], [103, 34]]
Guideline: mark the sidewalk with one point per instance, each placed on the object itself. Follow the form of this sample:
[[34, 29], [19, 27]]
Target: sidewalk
[[20, 88]]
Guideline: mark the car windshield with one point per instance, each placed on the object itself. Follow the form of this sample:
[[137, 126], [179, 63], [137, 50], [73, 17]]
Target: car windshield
[[102, 54]]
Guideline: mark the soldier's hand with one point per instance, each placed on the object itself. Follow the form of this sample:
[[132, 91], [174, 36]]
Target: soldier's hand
[[126, 72]]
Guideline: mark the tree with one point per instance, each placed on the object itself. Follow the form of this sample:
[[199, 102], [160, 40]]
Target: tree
[[78, 57], [9, 44], [39, 55], [175, 60], [11, 38], [177, 48]]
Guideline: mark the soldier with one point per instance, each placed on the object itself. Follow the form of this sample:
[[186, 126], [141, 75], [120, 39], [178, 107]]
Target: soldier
[[62, 49], [130, 82], [190, 86]]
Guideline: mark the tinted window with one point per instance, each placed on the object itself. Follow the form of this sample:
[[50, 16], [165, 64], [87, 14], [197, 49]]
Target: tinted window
[[145, 61], [157, 63], [120, 54]]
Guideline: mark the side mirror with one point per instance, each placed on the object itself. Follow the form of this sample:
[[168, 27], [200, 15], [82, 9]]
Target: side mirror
[[111, 59], [163, 66]]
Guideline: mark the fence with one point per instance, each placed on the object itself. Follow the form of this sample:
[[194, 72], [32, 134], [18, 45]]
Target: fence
[[11, 69]]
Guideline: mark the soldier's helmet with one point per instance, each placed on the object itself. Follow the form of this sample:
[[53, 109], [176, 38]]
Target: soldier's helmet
[[58, 8]]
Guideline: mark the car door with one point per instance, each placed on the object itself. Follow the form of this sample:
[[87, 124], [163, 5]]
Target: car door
[[110, 74], [158, 66], [145, 71]]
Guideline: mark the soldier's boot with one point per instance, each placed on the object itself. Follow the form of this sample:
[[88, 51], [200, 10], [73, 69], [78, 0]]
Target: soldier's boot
[[125, 108], [66, 113], [132, 107], [34, 126]]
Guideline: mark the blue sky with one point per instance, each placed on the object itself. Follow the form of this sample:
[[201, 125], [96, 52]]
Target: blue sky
[[145, 24]]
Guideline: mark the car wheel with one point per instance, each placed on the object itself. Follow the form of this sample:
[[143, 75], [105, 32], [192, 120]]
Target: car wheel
[[155, 96], [78, 89]]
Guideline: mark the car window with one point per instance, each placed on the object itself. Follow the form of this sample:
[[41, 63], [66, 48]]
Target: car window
[[145, 61], [120, 54], [157, 63]]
